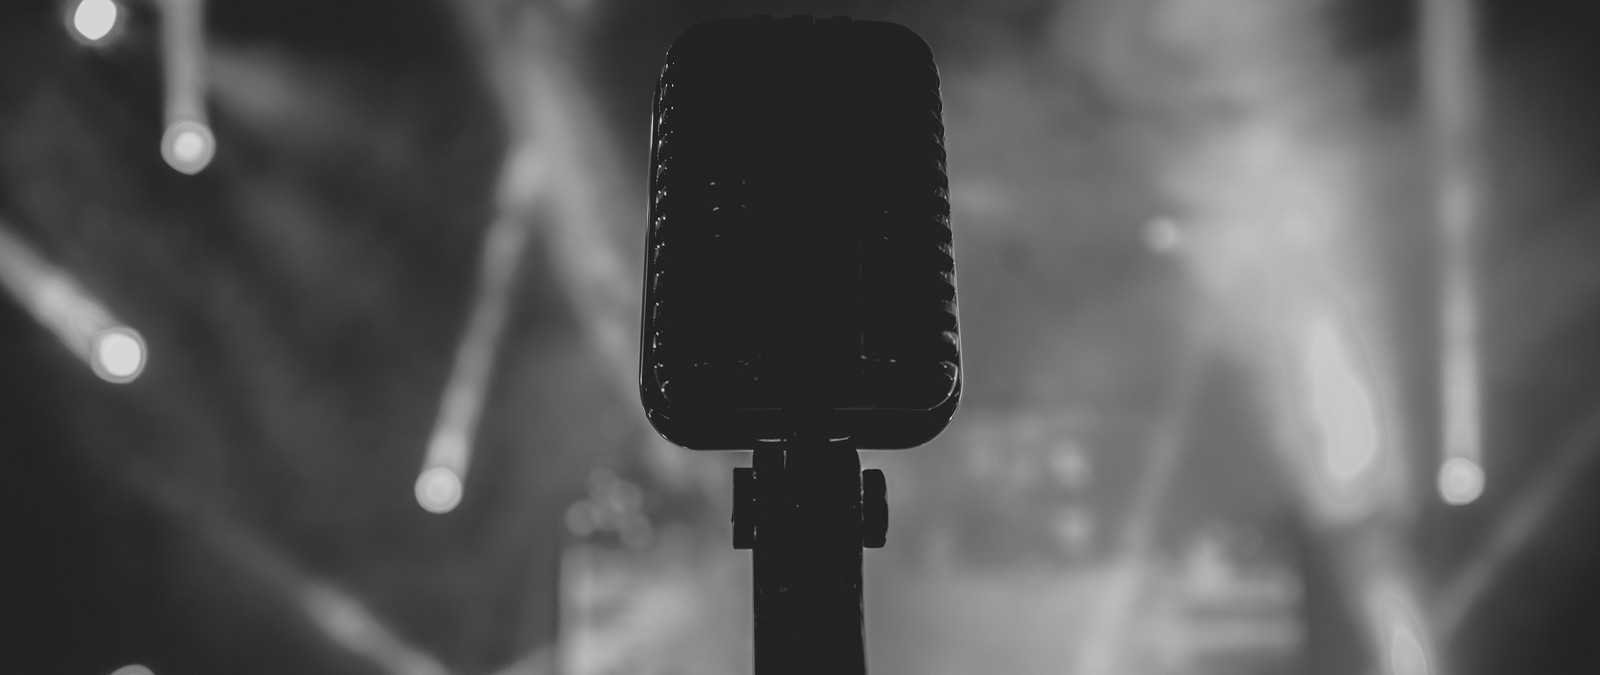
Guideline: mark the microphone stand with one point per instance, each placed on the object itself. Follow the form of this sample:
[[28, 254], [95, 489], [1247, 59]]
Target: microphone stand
[[806, 509]]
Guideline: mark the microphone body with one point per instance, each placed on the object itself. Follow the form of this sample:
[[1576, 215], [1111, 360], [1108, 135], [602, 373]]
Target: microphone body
[[799, 272]]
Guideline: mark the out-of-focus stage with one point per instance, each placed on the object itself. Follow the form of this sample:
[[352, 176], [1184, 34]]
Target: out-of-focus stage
[[320, 327]]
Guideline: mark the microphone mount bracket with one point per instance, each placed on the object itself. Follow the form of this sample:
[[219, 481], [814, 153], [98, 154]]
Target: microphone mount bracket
[[805, 509]]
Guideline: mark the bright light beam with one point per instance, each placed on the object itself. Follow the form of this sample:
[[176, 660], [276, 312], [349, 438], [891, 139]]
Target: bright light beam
[[93, 20], [439, 487], [1452, 87], [187, 144], [113, 350]]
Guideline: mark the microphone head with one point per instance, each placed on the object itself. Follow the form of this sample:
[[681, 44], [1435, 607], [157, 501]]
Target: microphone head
[[799, 278]]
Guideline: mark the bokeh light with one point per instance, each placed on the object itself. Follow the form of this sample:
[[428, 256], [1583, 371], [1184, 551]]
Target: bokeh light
[[118, 354], [188, 146], [94, 19], [439, 490], [1460, 481]]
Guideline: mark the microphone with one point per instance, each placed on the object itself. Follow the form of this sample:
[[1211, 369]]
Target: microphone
[[799, 272]]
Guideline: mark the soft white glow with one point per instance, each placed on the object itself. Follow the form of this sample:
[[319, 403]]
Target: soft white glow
[[1399, 630], [94, 19], [1406, 655], [1341, 404], [439, 490], [134, 669], [1460, 481], [1162, 235], [188, 146], [118, 354]]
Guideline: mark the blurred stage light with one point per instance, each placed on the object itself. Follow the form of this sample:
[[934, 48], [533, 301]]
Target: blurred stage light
[[1453, 97], [134, 669], [94, 19], [117, 354], [1460, 481], [439, 490], [188, 146], [187, 143], [450, 446], [1340, 403]]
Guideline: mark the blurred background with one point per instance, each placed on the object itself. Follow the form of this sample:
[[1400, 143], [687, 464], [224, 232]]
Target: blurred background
[[319, 343]]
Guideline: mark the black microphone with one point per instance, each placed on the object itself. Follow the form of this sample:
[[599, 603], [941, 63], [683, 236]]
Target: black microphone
[[799, 275]]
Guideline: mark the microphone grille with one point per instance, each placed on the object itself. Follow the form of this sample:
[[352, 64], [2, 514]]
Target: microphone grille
[[800, 250]]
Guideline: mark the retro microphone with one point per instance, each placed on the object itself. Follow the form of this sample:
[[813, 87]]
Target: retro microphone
[[800, 296]]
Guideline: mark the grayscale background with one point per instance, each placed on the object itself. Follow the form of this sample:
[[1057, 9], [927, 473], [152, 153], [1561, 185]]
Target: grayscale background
[[1207, 254]]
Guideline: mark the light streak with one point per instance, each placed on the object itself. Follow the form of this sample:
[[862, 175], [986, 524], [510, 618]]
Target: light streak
[[93, 20], [1453, 98], [583, 214], [241, 554], [553, 114], [113, 350], [187, 144], [554, 121], [439, 486]]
